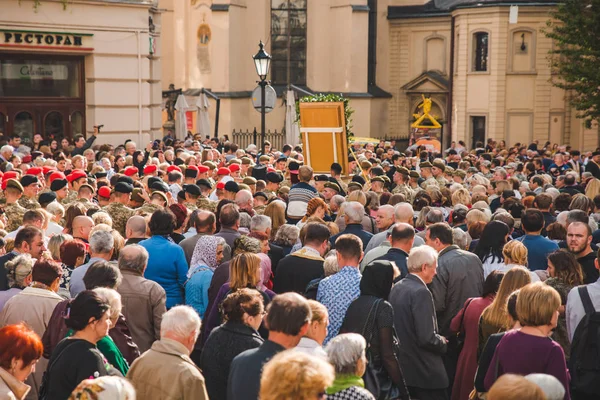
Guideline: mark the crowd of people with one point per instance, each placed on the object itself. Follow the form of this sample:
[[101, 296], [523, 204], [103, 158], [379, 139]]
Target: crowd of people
[[194, 269]]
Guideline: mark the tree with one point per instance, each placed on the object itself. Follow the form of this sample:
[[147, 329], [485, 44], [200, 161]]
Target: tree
[[575, 56]]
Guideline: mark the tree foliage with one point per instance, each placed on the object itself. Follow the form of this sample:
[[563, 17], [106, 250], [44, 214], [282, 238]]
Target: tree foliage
[[575, 57]]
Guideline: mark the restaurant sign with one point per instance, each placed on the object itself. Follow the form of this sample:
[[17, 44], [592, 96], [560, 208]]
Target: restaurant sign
[[34, 71], [53, 40]]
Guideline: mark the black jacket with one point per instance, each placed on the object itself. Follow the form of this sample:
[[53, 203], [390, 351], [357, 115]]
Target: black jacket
[[294, 272], [421, 347], [3, 271], [88, 143], [222, 346]]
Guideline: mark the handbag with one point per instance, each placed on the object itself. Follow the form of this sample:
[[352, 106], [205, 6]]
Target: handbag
[[459, 339], [377, 381]]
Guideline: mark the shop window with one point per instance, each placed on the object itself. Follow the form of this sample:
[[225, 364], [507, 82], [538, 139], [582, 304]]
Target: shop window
[[76, 123], [23, 126], [477, 131], [480, 51], [39, 77], [54, 125], [288, 21]]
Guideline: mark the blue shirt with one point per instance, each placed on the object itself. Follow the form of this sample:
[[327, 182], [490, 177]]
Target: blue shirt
[[167, 266], [538, 248], [76, 284], [196, 289], [336, 293]]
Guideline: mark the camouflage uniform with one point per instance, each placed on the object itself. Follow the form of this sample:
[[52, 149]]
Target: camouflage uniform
[[71, 197], [29, 203], [120, 214], [190, 206], [88, 204], [405, 190], [430, 181], [286, 182], [442, 182], [14, 213], [260, 210], [148, 208], [203, 203]]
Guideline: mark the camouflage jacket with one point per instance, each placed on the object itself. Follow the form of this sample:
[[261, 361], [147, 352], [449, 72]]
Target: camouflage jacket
[[204, 203], [29, 203], [147, 208], [120, 214], [14, 213], [71, 197]]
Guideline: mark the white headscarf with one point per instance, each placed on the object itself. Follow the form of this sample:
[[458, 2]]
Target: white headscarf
[[104, 388], [205, 253]]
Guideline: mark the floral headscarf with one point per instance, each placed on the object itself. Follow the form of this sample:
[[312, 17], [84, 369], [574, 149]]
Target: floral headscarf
[[265, 271], [104, 388], [205, 253]]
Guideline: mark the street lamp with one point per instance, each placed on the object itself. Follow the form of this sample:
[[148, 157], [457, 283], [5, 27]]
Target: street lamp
[[262, 62]]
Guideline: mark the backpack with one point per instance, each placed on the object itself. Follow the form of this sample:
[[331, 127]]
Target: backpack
[[585, 349]]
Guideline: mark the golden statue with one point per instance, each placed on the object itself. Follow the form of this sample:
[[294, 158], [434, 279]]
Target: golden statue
[[426, 106]]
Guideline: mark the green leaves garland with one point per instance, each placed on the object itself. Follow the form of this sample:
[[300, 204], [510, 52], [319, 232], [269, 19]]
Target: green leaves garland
[[330, 98]]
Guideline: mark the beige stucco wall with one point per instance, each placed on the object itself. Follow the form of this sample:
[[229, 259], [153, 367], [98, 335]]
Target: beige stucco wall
[[122, 88]]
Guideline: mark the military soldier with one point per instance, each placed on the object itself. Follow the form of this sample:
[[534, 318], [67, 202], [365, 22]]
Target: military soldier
[[192, 194], [401, 177], [438, 172], [273, 180], [251, 182], [158, 201], [459, 176], [31, 189], [13, 210], [86, 195], [118, 210], [203, 203], [245, 166], [76, 178], [353, 186], [377, 184], [414, 180], [260, 202], [426, 168]]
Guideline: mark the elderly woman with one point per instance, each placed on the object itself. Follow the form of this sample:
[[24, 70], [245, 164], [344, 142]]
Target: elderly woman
[[295, 376], [312, 341], [104, 388], [207, 256], [106, 345], [529, 350], [167, 264], [346, 353], [58, 212], [286, 237], [72, 255], [266, 272], [19, 276], [243, 312], [17, 362], [34, 306], [76, 358]]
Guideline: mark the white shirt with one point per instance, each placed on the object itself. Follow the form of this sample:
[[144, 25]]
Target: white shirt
[[505, 268], [311, 347], [53, 229], [575, 311]]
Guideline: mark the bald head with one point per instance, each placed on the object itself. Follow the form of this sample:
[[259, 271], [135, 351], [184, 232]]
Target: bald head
[[206, 222], [244, 199], [82, 225], [402, 236], [404, 213], [136, 227]]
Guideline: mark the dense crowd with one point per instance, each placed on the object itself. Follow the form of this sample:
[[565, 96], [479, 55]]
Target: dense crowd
[[194, 269]]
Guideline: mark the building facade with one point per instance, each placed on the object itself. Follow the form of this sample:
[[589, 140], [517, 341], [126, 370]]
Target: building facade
[[487, 74], [66, 66]]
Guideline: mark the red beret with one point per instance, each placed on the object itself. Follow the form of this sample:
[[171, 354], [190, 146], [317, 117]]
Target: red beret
[[234, 167], [149, 169], [47, 169], [104, 191], [221, 185], [223, 171], [192, 168], [203, 169], [172, 168], [26, 159], [271, 169], [56, 175], [76, 174], [34, 171], [130, 171], [10, 175]]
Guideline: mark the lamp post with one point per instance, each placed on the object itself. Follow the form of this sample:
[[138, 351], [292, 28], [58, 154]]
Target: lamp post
[[262, 62]]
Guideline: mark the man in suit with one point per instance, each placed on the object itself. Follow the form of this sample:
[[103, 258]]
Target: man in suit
[[421, 347], [29, 240]]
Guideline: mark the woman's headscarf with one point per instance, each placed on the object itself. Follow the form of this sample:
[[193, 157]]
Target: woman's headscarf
[[265, 270], [377, 279], [205, 253], [104, 388]]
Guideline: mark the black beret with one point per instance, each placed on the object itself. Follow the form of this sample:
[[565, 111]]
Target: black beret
[[152, 180], [204, 182], [259, 172], [293, 166], [192, 189], [321, 178], [181, 195], [190, 173], [274, 177], [27, 180], [58, 184], [47, 197], [232, 186], [359, 179], [125, 179], [99, 175], [261, 194], [159, 186], [123, 187]]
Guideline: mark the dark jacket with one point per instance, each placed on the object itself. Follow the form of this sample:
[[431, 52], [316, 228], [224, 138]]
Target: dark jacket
[[399, 257], [3, 271], [246, 370], [355, 229], [421, 346], [57, 331], [295, 271], [459, 277], [88, 143], [222, 346]]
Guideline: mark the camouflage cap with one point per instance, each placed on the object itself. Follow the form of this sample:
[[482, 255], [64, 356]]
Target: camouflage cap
[[425, 164], [249, 181], [136, 195], [459, 172], [333, 186], [414, 174]]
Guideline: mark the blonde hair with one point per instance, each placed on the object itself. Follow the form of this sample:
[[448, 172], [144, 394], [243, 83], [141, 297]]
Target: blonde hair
[[276, 211], [502, 186], [536, 304], [243, 271], [592, 189], [54, 244], [515, 387], [359, 196], [475, 215], [292, 375], [102, 217], [119, 243], [496, 314], [319, 311], [461, 196], [516, 252]]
